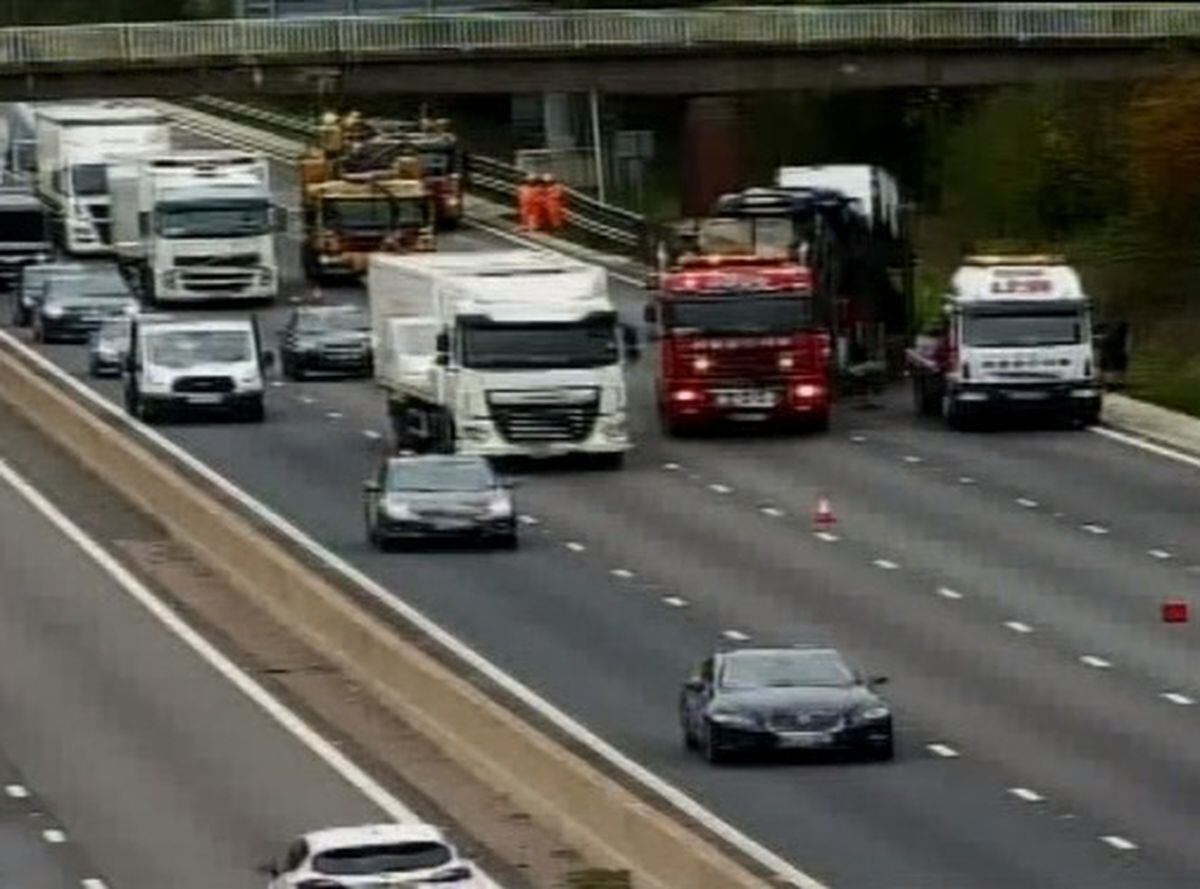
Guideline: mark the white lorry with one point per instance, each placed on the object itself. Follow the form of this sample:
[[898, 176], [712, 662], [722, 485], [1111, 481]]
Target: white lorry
[[1016, 335], [504, 353], [197, 225], [76, 144]]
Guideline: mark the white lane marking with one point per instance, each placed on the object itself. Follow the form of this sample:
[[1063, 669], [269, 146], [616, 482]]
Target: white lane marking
[[1093, 528], [529, 520], [1119, 843], [773, 511], [885, 564], [827, 536], [1151, 447], [671, 467], [93, 883], [277, 384], [1092, 660], [858, 439], [17, 791], [943, 750], [54, 835], [675, 601], [622, 573], [669, 792], [575, 546], [947, 593], [230, 671], [372, 434], [966, 480], [1178, 698], [913, 458], [1024, 793], [1017, 627], [334, 415], [735, 635], [1027, 502], [720, 489], [306, 399], [1158, 553]]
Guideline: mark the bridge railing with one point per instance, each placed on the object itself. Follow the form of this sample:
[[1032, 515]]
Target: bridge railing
[[787, 27]]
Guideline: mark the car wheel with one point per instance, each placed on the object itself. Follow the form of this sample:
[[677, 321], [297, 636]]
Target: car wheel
[[146, 413], [689, 738], [711, 750]]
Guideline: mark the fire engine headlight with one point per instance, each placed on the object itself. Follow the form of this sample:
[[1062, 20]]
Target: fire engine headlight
[[52, 311], [808, 390], [615, 428], [685, 396], [786, 362], [701, 364]]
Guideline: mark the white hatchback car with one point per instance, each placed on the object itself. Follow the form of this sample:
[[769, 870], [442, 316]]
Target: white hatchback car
[[376, 856]]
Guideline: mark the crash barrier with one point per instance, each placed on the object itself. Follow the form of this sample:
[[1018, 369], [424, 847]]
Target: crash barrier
[[359, 38], [558, 787], [610, 226]]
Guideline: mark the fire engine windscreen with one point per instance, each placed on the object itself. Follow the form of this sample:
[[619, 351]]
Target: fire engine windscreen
[[89, 180], [591, 342], [743, 314], [222, 218], [763, 237], [372, 216], [1064, 327], [22, 227]]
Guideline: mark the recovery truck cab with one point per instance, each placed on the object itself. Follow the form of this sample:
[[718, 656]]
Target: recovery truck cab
[[511, 353], [1016, 336], [349, 216], [739, 331]]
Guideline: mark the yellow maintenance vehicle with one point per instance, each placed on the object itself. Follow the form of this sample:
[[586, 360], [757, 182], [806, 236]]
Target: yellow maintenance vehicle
[[358, 200]]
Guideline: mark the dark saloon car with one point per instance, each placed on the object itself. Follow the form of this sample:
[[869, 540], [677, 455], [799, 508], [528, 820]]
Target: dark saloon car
[[74, 307], [761, 700], [109, 346], [326, 339], [435, 496], [31, 287]]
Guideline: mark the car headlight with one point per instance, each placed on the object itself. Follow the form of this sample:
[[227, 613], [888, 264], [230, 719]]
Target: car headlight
[[499, 508], [397, 509], [733, 719], [874, 713], [52, 311]]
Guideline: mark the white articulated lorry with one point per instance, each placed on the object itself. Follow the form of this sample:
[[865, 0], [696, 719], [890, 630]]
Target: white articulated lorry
[[197, 225], [76, 145], [507, 353]]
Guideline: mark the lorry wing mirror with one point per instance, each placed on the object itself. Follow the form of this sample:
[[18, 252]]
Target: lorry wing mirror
[[268, 359], [280, 218], [442, 345], [144, 224], [650, 313], [442, 359], [629, 336]]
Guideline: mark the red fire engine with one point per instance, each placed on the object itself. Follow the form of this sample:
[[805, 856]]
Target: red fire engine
[[740, 340]]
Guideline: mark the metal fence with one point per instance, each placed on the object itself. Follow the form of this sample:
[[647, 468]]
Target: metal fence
[[790, 27]]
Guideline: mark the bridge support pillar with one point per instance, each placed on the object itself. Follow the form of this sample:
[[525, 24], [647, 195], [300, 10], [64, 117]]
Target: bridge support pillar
[[713, 161]]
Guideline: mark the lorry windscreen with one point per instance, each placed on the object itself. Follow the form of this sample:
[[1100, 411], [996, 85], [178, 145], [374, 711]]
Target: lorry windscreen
[[540, 346], [187, 348], [744, 313], [89, 180], [1058, 328], [22, 227], [372, 216], [226, 218]]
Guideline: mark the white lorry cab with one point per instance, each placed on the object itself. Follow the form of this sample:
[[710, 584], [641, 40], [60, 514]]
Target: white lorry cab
[[1016, 336], [178, 365], [76, 145], [505, 353], [197, 225]]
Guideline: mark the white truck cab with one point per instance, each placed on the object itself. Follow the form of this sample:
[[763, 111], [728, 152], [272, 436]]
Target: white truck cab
[[192, 365]]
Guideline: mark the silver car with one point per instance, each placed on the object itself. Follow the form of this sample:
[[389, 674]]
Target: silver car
[[109, 345]]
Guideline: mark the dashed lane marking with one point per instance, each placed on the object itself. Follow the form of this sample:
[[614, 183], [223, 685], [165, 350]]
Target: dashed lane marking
[[277, 384], [885, 564], [827, 536], [1178, 698], [1119, 843], [945, 751], [1024, 793], [306, 399], [334, 415], [54, 835], [1017, 627], [1093, 528], [94, 884], [1092, 660], [946, 593], [773, 511], [671, 467], [675, 601], [966, 480], [17, 791], [1027, 502], [622, 573], [575, 546], [858, 439], [735, 635], [529, 520], [720, 489], [371, 434], [913, 458], [1158, 554]]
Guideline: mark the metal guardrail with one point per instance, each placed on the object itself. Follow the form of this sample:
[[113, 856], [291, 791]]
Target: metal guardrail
[[587, 218], [778, 27]]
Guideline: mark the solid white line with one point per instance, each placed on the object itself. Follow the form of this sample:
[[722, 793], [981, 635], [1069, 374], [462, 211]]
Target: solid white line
[[675, 601], [17, 791], [575, 546], [1093, 528], [1119, 843], [720, 489], [948, 593], [1151, 447], [1024, 793], [230, 671], [773, 511], [1177, 698], [1027, 503], [1017, 627], [1158, 553], [622, 573], [54, 835], [885, 564], [827, 536], [1092, 660], [942, 750], [735, 635], [966, 480]]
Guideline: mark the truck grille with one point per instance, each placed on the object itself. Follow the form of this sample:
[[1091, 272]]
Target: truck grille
[[236, 260], [203, 384], [217, 281], [812, 721], [347, 351], [544, 422]]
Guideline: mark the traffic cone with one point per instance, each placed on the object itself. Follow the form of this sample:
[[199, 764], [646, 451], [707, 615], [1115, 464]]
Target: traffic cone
[[823, 517]]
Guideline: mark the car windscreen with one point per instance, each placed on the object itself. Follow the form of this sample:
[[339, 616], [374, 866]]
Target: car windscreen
[[383, 858], [744, 314], [22, 227], [89, 286], [186, 348], [1030, 328], [591, 343], [784, 669], [440, 475], [321, 322]]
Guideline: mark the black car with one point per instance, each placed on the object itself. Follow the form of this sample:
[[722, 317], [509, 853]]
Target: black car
[[762, 700], [109, 347], [326, 339], [435, 496], [31, 287], [73, 307]]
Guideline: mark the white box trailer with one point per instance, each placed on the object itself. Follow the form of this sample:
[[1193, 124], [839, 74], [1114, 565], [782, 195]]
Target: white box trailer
[[502, 353], [76, 144], [197, 225]]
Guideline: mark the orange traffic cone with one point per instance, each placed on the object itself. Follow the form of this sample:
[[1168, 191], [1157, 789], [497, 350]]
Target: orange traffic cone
[[823, 517]]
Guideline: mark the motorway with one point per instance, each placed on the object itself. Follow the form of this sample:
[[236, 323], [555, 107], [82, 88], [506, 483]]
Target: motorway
[[1008, 583]]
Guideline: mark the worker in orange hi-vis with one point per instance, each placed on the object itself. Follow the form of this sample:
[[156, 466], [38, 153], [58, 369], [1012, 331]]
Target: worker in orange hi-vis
[[527, 203], [555, 199]]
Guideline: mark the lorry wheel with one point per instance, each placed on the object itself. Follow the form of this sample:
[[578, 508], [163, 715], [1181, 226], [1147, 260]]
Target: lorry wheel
[[954, 415], [925, 397], [820, 423]]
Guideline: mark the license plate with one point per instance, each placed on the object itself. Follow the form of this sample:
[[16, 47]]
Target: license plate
[[204, 399], [746, 398], [451, 525], [805, 740], [1027, 396]]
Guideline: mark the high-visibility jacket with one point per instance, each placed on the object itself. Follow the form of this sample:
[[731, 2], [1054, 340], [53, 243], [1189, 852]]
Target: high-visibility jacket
[[556, 206]]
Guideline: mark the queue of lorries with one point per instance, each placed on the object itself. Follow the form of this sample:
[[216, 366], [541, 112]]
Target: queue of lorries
[[761, 310]]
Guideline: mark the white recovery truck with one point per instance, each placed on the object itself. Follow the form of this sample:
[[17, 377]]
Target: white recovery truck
[[76, 146], [197, 225], [506, 353], [1016, 335]]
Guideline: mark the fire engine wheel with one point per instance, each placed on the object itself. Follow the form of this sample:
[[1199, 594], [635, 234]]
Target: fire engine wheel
[[953, 413]]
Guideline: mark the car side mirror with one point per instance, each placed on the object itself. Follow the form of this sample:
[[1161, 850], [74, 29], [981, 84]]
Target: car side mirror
[[650, 313], [633, 349], [268, 359]]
